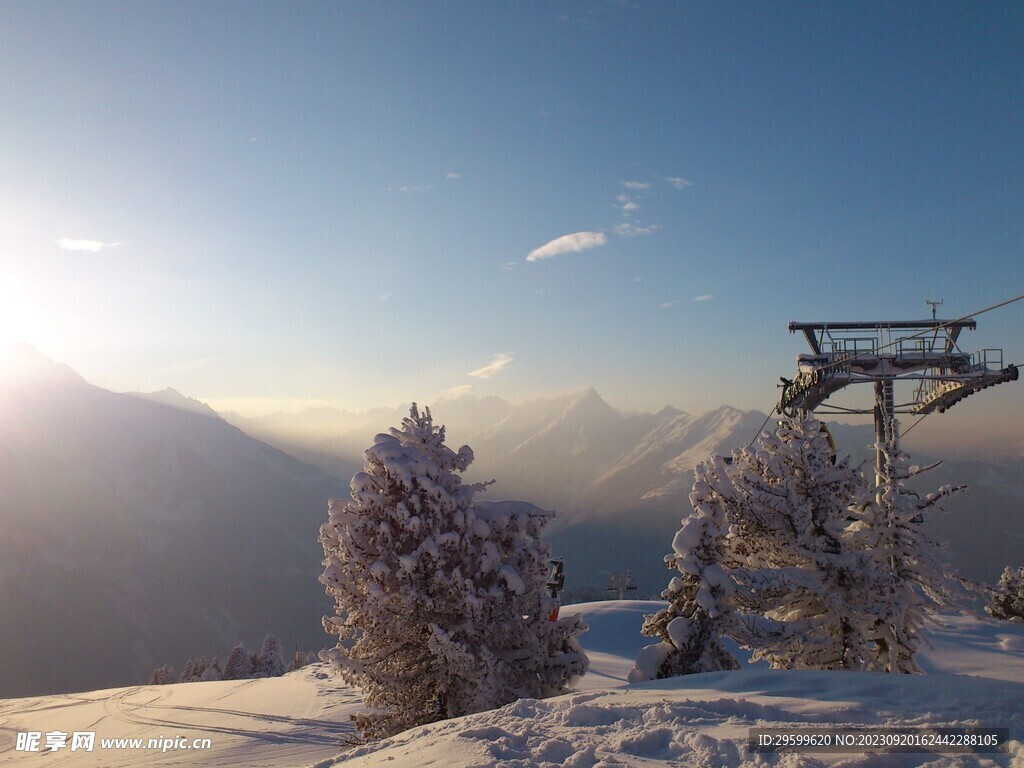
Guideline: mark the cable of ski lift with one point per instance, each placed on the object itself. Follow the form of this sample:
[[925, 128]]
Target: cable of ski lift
[[919, 334]]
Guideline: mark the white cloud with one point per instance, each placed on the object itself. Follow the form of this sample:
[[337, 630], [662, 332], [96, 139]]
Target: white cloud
[[704, 297], [625, 229], [637, 185], [508, 266], [457, 391], [452, 175], [498, 363], [578, 241], [630, 207], [667, 304], [678, 182], [385, 296], [93, 246], [413, 188], [637, 280]]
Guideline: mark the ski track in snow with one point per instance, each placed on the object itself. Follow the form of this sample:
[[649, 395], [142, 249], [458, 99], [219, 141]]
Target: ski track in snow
[[975, 677]]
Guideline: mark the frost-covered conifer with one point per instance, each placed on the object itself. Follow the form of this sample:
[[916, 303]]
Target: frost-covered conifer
[[698, 614], [764, 560], [440, 603], [162, 675], [238, 666], [804, 592], [270, 661], [1008, 598], [213, 672], [193, 670], [912, 581]]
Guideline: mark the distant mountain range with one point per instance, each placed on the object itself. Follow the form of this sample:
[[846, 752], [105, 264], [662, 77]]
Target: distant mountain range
[[620, 481], [137, 529]]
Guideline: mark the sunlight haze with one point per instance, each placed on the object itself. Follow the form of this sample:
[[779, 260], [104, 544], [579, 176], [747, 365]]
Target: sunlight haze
[[271, 206]]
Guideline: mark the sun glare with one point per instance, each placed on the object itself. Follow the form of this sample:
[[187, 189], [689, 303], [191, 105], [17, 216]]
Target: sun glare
[[21, 320]]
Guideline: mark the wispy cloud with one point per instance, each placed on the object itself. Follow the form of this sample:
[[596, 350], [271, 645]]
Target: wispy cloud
[[678, 182], [453, 175], [704, 297], [92, 246], [667, 304], [578, 241], [457, 391], [508, 266], [498, 363], [385, 296], [626, 229], [637, 186], [414, 188]]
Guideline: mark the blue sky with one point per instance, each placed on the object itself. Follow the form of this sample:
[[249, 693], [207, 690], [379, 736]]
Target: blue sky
[[266, 205]]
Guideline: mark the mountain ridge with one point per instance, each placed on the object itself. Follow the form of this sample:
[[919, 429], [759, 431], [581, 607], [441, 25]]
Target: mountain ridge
[[135, 533]]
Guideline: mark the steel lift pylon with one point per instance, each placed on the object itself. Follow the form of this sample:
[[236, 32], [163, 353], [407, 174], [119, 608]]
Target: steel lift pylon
[[885, 352]]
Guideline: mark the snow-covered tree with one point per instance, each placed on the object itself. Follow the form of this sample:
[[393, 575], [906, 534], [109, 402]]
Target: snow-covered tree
[[803, 593], [440, 603], [912, 580], [162, 675], [213, 672], [238, 666], [764, 560], [270, 661], [698, 613], [193, 670], [1007, 600]]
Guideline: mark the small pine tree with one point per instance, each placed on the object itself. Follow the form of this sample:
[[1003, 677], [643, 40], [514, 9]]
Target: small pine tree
[[691, 626], [213, 672], [270, 660], [766, 559], [912, 581], [802, 587], [193, 670], [441, 609], [239, 665], [1007, 601], [162, 675]]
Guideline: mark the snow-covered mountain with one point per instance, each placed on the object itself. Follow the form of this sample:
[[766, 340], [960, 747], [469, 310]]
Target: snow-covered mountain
[[141, 530], [573, 453], [620, 482]]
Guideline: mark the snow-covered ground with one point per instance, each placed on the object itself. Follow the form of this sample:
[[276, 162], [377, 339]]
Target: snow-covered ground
[[975, 678]]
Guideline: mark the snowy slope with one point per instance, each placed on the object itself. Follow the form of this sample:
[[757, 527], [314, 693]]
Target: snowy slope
[[976, 678]]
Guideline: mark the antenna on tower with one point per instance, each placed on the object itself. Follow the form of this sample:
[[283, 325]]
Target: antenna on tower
[[933, 303]]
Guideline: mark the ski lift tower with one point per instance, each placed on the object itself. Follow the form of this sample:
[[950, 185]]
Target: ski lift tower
[[622, 584], [881, 353]]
